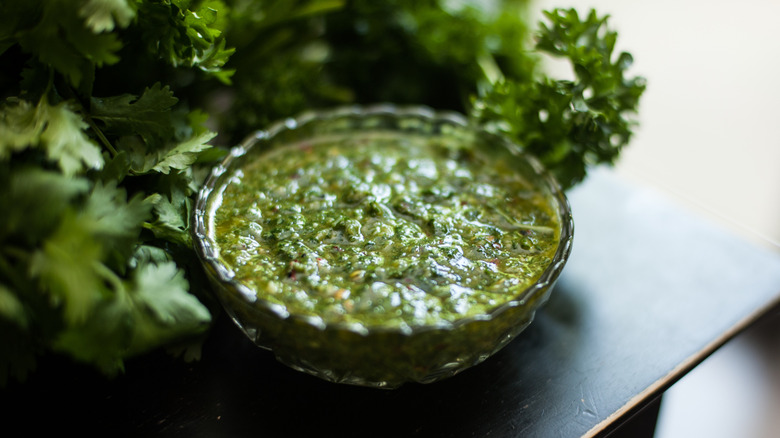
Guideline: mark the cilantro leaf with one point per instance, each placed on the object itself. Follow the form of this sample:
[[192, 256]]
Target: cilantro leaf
[[148, 115], [56, 128], [115, 169], [20, 126], [185, 153], [165, 157], [164, 310], [172, 207], [151, 309], [105, 15], [74, 261], [102, 339], [65, 141], [170, 222], [62, 39], [68, 268], [149, 130], [115, 221], [161, 290], [27, 190]]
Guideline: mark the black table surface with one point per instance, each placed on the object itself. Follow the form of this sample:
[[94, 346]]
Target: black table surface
[[650, 291]]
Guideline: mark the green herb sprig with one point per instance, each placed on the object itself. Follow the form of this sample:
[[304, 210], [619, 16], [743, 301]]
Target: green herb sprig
[[570, 125]]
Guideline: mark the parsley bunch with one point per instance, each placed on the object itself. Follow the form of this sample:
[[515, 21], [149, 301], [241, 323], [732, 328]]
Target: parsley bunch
[[112, 111], [570, 125]]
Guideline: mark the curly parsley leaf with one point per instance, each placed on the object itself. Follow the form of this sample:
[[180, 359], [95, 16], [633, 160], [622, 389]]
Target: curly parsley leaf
[[187, 33], [569, 124]]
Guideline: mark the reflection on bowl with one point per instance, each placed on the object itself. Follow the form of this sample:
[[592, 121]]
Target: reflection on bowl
[[381, 245]]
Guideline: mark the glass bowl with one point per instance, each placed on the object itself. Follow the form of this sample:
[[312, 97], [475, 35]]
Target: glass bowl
[[384, 346]]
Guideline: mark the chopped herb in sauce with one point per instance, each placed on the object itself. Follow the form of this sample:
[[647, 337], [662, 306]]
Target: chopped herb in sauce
[[385, 229]]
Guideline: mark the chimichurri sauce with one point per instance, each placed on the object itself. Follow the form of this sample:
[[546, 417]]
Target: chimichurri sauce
[[385, 229]]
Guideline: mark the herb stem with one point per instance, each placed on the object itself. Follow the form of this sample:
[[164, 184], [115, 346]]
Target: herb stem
[[88, 118], [112, 278], [490, 69], [100, 135]]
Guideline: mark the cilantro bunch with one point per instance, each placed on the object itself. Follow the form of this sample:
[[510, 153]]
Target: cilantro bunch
[[97, 178], [112, 112]]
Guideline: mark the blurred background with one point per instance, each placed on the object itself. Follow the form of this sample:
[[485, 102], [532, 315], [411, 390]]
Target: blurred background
[[709, 140]]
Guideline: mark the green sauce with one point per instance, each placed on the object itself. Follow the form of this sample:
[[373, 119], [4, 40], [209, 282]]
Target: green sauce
[[385, 229]]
